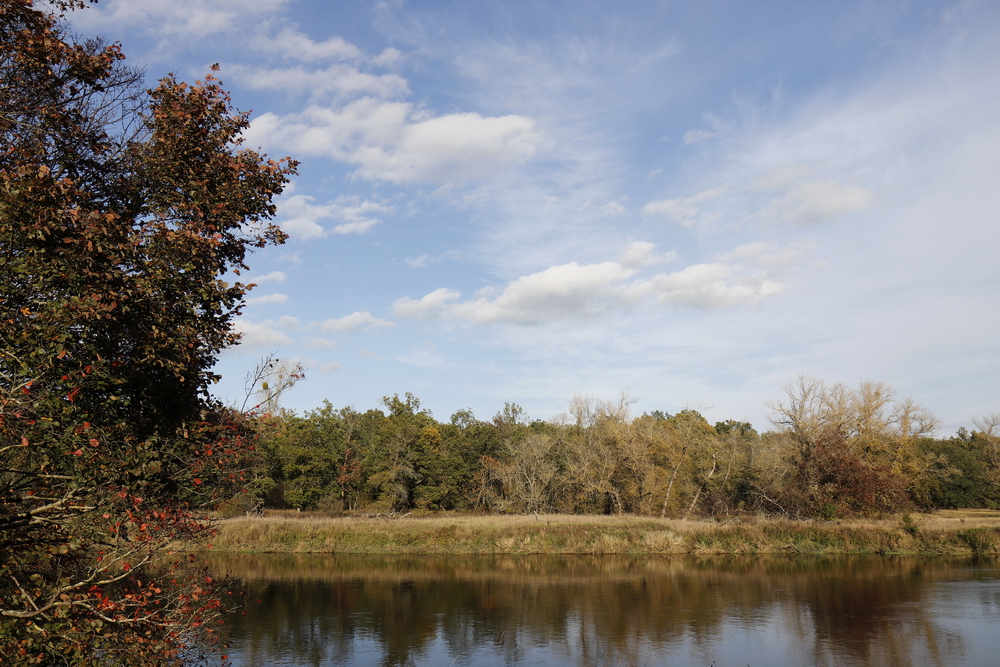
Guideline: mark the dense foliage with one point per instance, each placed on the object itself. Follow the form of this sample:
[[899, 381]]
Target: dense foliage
[[835, 452], [121, 210]]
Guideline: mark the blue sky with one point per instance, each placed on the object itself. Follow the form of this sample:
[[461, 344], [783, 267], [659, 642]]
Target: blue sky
[[693, 202]]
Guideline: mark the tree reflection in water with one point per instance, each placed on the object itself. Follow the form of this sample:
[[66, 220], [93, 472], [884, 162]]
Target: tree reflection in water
[[325, 610]]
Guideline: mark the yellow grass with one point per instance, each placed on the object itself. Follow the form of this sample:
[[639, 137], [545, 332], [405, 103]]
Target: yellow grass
[[938, 533]]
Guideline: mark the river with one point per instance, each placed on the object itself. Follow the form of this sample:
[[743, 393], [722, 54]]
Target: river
[[313, 611]]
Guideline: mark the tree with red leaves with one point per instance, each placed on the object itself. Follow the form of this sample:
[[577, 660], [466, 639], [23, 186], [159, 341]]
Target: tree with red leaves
[[121, 212]]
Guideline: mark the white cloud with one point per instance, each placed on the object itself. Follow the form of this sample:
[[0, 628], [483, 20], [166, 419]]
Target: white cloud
[[698, 136], [680, 211], [391, 141], [266, 333], [315, 341], [429, 306], [273, 276], [641, 253], [339, 79], [389, 57], [184, 19], [300, 218], [267, 299], [357, 321], [614, 208], [818, 201], [568, 290], [575, 291], [417, 262], [331, 367], [764, 255], [294, 44], [709, 286], [685, 210]]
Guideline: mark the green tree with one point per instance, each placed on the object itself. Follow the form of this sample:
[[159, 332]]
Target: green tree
[[121, 210], [393, 462]]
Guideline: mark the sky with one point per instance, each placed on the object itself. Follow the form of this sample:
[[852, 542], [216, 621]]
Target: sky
[[694, 202]]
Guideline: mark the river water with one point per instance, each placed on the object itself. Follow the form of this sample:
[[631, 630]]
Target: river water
[[312, 611]]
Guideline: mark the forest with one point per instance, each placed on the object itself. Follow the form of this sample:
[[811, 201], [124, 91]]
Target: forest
[[834, 452]]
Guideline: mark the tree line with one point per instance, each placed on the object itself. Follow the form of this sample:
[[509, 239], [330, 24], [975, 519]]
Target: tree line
[[835, 451]]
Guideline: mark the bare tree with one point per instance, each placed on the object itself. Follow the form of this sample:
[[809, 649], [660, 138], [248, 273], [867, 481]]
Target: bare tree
[[528, 473], [269, 381]]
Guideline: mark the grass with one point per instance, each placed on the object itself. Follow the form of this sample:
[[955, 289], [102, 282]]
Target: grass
[[968, 533]]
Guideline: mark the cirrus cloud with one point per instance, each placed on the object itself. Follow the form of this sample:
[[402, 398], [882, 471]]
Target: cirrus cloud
[[184, 19]]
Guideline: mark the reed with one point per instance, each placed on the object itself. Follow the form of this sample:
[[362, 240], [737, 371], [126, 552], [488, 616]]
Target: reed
[[626, 535]]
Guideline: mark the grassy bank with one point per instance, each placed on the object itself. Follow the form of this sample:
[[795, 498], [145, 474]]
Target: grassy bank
[[942, 533]]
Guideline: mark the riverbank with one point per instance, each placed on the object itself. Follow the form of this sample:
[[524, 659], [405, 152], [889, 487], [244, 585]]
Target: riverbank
[[956, 533]]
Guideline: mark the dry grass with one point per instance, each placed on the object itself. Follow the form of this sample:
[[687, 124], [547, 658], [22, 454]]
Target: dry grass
[[941, 532]]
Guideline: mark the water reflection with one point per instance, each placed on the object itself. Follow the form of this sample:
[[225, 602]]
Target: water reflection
[[326, 610]]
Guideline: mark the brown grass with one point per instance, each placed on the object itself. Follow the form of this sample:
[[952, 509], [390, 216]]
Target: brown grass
[[938, 533]]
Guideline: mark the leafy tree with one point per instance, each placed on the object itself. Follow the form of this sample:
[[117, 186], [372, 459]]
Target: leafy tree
[[860, 445], [120, 212], [393, 461], [966, 486]]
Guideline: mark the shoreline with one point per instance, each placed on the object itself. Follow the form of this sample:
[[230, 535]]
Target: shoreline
[[955, 533]]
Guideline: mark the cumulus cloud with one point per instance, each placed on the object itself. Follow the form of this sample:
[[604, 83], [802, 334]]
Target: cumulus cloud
[[575, 291], [266, 333], [300, 217], [357, 321], [389, 57], [267, 299], [429, 306], [642, 253], [295, 44], [392, 141], [568, 290], [818, 201], [712, 285], [331, 367]]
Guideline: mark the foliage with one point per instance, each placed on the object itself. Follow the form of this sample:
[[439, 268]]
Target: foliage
[[120, 212], [968, 485], [851, 453], [857, 450]]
